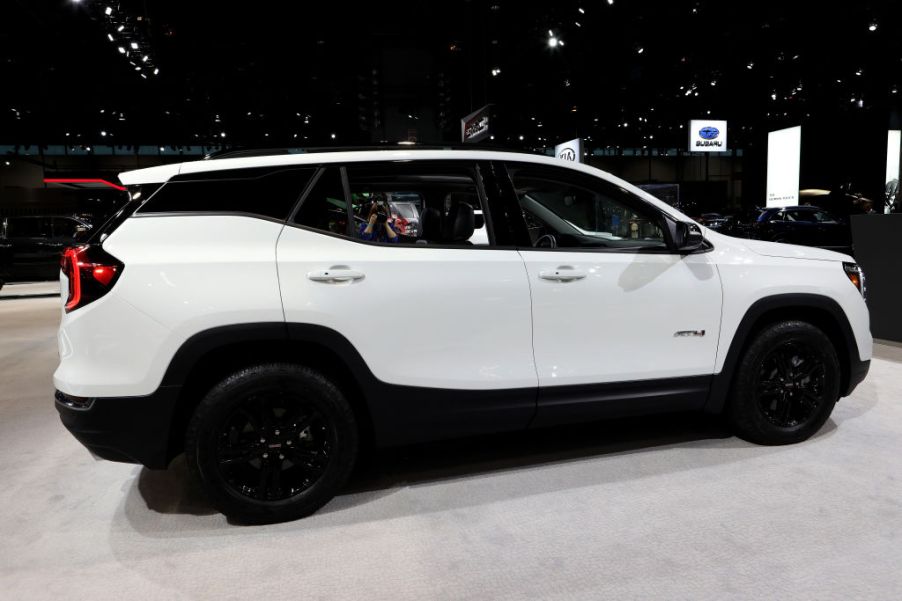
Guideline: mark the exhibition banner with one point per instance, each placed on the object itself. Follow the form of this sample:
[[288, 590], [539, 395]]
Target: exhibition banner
[[707, 135], [784, 154], [475, 126]]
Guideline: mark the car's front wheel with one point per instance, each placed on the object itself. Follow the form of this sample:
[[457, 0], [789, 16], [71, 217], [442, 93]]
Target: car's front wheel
[[785, 385], [272, 443]]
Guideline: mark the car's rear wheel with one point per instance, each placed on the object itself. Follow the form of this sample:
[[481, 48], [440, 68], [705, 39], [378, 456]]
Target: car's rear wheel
[[786, 384], [272, 443]]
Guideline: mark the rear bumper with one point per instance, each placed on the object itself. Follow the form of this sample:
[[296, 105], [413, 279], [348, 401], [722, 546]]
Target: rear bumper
[[857, 373], [127, 429]]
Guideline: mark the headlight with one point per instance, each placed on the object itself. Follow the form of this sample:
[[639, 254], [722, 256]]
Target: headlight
[[856, 276]]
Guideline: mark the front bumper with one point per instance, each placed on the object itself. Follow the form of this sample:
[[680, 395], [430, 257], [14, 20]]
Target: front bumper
[[127, 429], [857, 373]]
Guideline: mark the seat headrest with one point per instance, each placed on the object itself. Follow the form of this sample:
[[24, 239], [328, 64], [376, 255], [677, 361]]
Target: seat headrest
[[431, 225], [460, 223]]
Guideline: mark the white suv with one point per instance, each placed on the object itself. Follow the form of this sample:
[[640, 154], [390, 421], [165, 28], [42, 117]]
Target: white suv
[[264, 316]]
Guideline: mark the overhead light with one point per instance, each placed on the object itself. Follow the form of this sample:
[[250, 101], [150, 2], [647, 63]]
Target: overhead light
[[110, 36], [332, 136], [103, 133], [872, 27], [222, 135], [156, 71], [521, 137], [144, 59], [553, 42], [750, 66], [581, 11], [120, 28], [121, 50], [640, 50], [134, 45], [108, 11]]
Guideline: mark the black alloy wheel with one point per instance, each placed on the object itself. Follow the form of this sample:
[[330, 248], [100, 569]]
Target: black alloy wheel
[[785, 385], [791, 385], [272, 442], [273, 446]]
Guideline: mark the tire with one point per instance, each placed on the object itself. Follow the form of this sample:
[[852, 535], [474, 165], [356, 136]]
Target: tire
[[272, 443], [785, 386]]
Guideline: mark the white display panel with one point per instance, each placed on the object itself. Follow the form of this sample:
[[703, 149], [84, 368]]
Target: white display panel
[[571, 150], [707, 135], [784, 154], [891, 183]]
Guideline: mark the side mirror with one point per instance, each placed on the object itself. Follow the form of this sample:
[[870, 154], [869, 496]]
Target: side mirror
[[685, 237]]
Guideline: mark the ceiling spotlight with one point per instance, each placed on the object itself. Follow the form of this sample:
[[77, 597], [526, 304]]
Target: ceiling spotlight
[[110, 36], [750, 66], [144, 58], [222, 135], [872, 27], [134, 45], [521, 138], [610, 2], [108, 11], [121, 50], [332, 136], [103, 133], [640, 50], [120, 28], [156, 71], [553, 42]]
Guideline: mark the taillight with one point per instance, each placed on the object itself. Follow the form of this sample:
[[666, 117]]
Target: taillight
[[91, 272]]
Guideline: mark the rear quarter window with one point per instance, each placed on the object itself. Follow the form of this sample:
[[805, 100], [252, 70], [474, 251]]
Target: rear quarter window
[[271, 194]]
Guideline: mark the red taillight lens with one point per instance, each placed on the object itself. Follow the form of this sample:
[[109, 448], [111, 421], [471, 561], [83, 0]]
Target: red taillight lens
[[91, 272]]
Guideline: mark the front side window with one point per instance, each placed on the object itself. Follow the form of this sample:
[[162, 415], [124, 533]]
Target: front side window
[[562, 212]]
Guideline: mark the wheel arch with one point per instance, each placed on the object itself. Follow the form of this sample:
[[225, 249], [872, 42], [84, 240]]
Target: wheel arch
[[209, 356], [818, 310]]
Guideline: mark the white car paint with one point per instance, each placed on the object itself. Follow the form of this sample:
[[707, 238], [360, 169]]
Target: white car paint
[[472, 319], [419, 316]]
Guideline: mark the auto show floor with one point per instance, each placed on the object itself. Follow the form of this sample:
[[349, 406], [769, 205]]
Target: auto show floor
[[665, 508]]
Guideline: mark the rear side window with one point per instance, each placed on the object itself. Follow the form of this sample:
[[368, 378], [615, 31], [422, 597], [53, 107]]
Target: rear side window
[[270, 194]]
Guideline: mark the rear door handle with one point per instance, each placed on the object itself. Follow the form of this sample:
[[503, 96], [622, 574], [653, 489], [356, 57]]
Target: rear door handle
[[564, 273], [335, 276]]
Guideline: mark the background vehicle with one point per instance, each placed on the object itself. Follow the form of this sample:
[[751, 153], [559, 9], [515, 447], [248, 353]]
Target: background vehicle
[[36, 244], [805, 225], [587, 299]]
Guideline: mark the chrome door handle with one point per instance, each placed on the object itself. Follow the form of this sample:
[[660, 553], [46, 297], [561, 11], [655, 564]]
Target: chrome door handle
[[335, 276], [563, 274]]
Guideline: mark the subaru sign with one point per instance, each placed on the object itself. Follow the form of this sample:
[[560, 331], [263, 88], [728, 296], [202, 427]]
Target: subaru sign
[[707, 136], [571, 150]]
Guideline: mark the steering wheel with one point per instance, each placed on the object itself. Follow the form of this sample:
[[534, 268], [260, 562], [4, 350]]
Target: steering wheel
[[546, 241]]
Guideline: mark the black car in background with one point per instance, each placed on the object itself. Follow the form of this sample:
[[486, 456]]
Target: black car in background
[[6, 261], [805, 225], [34, 244]]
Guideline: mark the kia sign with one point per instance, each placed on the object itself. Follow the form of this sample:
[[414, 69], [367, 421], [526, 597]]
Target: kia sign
[[707, 136], [475, 126], [571, 150], [784, 154]]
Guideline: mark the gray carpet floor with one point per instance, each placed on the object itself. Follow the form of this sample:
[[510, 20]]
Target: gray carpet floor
[[664, 508]]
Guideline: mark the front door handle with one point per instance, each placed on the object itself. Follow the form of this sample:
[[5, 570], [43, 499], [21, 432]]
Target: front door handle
[[564, 273], [335, 276]]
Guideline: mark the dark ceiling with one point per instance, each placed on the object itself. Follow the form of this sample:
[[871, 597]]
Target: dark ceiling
[[296, 73]]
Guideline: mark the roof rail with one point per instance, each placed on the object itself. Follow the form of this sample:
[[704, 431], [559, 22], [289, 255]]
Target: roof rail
[[258, 152]]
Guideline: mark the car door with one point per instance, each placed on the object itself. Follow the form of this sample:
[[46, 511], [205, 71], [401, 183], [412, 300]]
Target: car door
[[442, 324], [832, 233], [620, 322]]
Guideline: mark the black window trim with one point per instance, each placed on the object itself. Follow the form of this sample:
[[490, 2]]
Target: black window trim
[[645, 205]]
